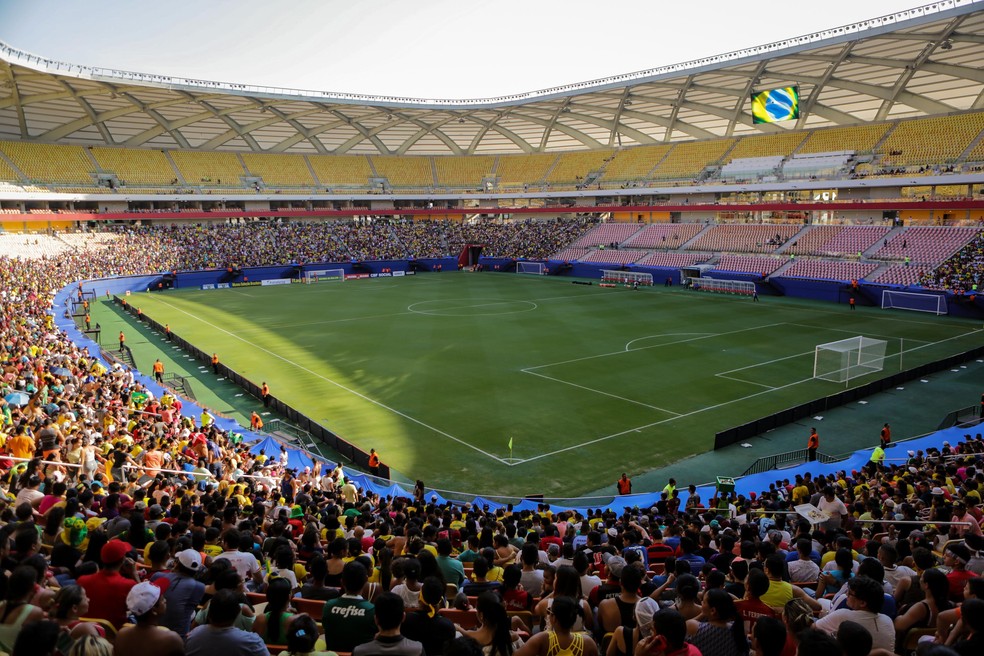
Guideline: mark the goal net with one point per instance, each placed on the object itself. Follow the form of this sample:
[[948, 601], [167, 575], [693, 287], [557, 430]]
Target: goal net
[[849, 358], [532, 268], [935, 303], [627, 277], [318, 275], [745, 287]]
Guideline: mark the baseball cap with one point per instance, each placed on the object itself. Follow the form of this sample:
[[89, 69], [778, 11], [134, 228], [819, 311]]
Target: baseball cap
[[144, 596], [156, 511], [911, 453], [190, 559], [644, 611], [937, 491], [126, 505], [615, 566], [114, 551]]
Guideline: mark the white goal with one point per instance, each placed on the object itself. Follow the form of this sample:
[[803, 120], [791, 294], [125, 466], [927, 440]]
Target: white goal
[[531, 268], [627, 277], [935, 303], [319, 275], [744, 287], [849, 358]]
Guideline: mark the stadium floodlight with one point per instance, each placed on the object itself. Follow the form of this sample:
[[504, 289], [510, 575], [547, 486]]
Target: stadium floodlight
[[915, 301], [531, 268], [320, 275], [627, 277], [849, 358]]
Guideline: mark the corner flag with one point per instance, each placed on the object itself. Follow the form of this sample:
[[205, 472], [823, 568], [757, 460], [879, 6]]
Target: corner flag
[[510, 443]]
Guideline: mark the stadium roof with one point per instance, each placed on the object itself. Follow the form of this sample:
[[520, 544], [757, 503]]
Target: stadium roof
[[919, 62]]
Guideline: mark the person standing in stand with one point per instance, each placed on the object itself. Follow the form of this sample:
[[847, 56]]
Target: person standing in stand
[[215, 364], [122, 340], [812, 445], [265, 394], [886, 436], [373, 462], [624, 484]]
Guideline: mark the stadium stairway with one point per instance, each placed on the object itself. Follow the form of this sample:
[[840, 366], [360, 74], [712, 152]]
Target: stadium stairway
[[685, 245], [778, 272], [792, 240], [886, 239]]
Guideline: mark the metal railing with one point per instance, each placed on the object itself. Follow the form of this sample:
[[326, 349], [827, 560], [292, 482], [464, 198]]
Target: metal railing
[[780, 460]]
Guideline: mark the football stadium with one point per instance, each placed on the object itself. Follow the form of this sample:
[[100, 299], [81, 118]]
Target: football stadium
[[415, 321]]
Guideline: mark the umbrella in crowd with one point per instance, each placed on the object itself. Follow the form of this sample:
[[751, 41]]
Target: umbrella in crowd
[[17, 398], [61, 371]]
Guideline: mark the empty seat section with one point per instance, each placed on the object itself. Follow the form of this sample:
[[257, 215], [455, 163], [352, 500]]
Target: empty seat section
[[829, 270], [750, 264], [810, 241], [279, 170], [932, 141], [852, 240], [689, 158], [673, 260], [610, 256], [570, 254], [607, 233], [341, 170], [519, 170], [925, 244], [739, 238], [8, 174], [209, 169], [780, 144], [572, 168], [463, 171], [900, 275], [859, 138], [665, 235], [136, 167], [49, 163], [635, 163], [405, 171]]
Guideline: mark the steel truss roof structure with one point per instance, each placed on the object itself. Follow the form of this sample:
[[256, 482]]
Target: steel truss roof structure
[[921, 62]]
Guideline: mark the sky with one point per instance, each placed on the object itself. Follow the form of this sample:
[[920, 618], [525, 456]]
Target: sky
[[425, 49]]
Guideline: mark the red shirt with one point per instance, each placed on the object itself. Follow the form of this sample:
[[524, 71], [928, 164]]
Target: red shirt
[[107, 593]]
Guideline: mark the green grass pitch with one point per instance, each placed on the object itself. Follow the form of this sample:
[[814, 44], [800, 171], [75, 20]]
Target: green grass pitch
[[438, 372]]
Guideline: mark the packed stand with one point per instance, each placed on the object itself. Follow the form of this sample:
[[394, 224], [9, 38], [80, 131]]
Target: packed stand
[[962, 273]]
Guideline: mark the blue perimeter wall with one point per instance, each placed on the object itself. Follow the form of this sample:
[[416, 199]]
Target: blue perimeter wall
[[831, 291]]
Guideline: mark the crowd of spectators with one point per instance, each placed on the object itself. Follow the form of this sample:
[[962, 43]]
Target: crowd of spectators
[[129, 526], [961, 273]]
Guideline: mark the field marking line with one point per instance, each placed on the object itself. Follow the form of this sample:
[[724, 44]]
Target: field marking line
[[855, 332], [760, 364], [475, 305], [639, 339], [745, 382], [338, 385], [655, 423], [603, 393], [643, 348]]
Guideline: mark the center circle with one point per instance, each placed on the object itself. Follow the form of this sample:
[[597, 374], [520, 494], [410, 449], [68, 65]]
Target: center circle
[[471, 307]]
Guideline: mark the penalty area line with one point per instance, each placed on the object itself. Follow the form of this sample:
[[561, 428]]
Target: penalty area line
[[340, 385], [597, 391]]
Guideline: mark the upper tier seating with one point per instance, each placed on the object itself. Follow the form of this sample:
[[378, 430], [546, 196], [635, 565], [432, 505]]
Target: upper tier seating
[[208, 168], [750, 264], [7, 173], [514, 171], [930, 141], [279, 170], [925, 244], [607, 233], [689, 158], [341, 170], [49, 163], [463, 171], [779, 144], [827, 270], [664, 235], [673, 260], [610, 256], [405, 171], [573, 167], [858, 138], [853, 239], [635, 163], [826, 164], [751, 167], [740, 238], [134, 167]]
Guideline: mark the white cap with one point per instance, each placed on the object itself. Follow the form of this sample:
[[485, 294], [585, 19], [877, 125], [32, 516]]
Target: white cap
[[143, 597]]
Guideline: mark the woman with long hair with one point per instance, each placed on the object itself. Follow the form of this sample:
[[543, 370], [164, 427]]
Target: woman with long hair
[[720, 632], [493, 633], [797, 616], [561, 638], [687, 601], [16, 610], [567, 584], [842, 572], [272, 624], [71, 603], [924, 614]]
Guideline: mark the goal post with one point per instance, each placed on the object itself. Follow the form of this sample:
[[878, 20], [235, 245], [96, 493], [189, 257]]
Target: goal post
[[531, 268], [318, 275], [934, 303], [743, 287], [850, 358], [627, 277]]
